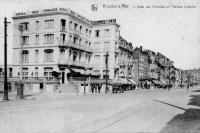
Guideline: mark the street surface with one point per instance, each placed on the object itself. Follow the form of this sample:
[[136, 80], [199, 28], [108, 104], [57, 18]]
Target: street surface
[[162, 111]]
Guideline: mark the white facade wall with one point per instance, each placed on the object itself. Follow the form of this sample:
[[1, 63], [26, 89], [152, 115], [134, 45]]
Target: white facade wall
[[101, 50]]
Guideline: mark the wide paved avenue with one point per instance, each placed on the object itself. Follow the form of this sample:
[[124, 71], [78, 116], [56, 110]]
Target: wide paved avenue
[[176, 110]]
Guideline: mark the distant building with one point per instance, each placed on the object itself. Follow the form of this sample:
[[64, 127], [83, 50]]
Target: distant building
[[141, 64]]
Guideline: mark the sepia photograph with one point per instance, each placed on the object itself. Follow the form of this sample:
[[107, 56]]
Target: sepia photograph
[[100, 66]]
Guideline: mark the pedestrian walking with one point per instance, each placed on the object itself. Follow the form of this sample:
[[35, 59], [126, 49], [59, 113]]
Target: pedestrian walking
[[187, 87]]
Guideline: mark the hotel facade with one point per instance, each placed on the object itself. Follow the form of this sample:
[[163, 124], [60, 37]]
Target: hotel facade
[[63, 41]]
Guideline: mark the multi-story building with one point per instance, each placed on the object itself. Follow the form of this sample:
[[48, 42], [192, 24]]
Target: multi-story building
[[153, 67], [63, 41], [9, 71], [125, 61], [105, 40], [141, 64], [164, 68], [53, 40]]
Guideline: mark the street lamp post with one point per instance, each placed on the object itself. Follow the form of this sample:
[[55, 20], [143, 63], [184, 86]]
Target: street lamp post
[[20, 94], [169, 77], [84, 79], [106, 89], [181, 78], [138, 68], [5, 97]]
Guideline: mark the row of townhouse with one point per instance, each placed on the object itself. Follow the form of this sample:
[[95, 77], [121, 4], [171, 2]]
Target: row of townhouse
[[191, 75], [63, 41], [149, 65]]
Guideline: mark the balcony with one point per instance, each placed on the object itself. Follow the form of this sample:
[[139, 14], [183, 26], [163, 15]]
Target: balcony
[[75, 46], [117, 50], [125, 47], [63, 28], [72, 45], [71, 63], [76, 32]]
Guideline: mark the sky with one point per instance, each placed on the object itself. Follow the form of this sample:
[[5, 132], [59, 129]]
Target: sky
[[175, 32]]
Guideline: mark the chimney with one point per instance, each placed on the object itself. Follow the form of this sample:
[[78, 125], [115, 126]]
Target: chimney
[[140, 48]]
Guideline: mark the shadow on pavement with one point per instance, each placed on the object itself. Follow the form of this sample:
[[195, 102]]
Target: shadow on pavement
[[188, 122], [196, 91]]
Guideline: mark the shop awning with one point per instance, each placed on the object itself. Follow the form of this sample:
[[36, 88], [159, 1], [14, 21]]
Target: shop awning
[[122, 80], [148, 82], [81, 71], [156, 82], [132, 81]]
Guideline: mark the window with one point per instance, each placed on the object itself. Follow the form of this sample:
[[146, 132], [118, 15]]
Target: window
[[107, 32], [89, 58], [1, 72], [97, 33], [36, 72], [49, 24], [80, 56], [48, 55], [75, 54], [25, 40], [48, 73], [81, 28], [62, 54], [97, 59], [25, 56], [10, 72], [106, 59], [106, 45], [70, 25], [36, 56], [63, 22], [75, 40], [49, 38], [36, 39], [80, 41], [25, 73], [62, 38], [86, 32], [97, 45], [25, 26], [75, 26], [86, 43], [89, 33], [37, 25]]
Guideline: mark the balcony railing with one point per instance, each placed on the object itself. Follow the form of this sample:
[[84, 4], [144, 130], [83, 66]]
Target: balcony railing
[[76, 32], [75, 45], [70, 62], [63, 28]]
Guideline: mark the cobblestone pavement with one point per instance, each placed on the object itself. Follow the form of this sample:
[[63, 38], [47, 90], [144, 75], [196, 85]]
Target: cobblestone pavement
[[132, 111]]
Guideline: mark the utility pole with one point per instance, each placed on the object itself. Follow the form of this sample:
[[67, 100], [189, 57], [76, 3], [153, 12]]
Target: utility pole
[[84, 80], [188, 78], [5, 96], [169, 76], [20, 94], [106, 90], [138, 68], [181, 78]]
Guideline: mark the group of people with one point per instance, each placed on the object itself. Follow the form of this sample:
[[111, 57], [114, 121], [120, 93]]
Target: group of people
[[96, 88]]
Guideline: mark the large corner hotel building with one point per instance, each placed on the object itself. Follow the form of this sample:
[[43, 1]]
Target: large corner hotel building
[[61, 40]]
